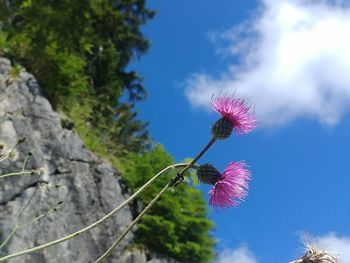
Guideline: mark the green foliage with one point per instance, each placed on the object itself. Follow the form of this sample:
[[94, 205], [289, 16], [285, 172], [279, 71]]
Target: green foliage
[[177, 225], [14, 73], [79, 51]]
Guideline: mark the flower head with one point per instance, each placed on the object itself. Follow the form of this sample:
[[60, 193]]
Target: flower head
[[314, 255], [237, 112], [231, 187]]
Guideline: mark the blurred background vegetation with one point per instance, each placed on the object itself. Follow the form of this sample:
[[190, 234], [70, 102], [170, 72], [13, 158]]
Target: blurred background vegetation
[[79, 52]]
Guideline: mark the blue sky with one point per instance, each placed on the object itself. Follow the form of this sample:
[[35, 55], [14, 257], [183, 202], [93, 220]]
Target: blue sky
[[291, 60]]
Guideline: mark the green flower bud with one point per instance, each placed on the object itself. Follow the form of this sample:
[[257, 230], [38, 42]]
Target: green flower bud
[[208, 174], [222, 129]]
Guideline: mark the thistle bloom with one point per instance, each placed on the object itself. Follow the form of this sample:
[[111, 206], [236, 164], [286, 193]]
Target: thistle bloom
[[236, 115], [230, 187]]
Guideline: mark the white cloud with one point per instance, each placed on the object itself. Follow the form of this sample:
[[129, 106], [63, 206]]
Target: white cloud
[[337, 245], [294, 62], [239, 255]]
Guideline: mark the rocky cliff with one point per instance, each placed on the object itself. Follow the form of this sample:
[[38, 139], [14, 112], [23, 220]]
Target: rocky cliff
[[87, 186]]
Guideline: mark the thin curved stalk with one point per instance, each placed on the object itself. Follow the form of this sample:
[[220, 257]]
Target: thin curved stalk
[[133, 223], [22, 172], [177, 180], [37, 218], [16, 173], [98, 222], [17, 225], [25, 162], [12, 150]]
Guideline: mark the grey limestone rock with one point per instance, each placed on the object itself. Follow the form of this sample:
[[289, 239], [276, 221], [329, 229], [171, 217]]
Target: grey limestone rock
[[139, 255], [89, 187]]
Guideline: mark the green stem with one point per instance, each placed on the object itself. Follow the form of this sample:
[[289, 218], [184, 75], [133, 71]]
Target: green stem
[[133, 223], [93, 225], [25, 162], [114, 211], [16, 173], [10, 235], [205, 149], [4, 158], [17, 225], [179, 178], [173, 182], [37, 218], [13, 148]]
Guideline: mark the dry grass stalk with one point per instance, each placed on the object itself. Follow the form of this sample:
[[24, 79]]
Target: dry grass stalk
[[314, 255]]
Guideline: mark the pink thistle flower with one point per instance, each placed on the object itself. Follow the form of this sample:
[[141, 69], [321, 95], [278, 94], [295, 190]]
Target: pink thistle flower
[[240, 115], [231, 187]]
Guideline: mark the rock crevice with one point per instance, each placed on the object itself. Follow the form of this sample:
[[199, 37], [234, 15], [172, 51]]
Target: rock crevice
[[89, 187]]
